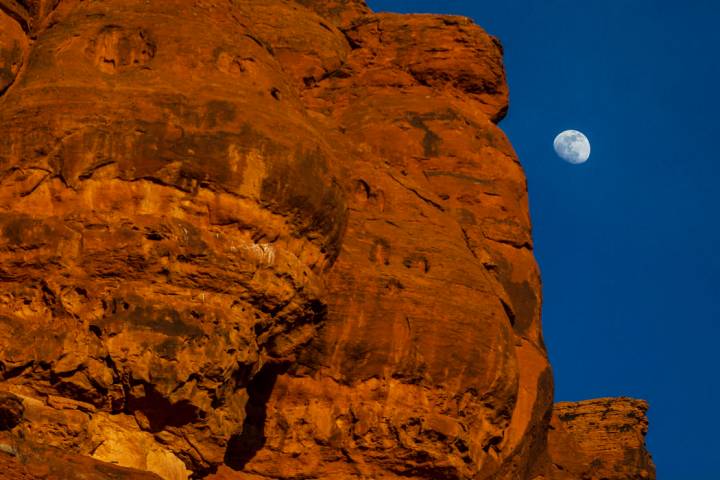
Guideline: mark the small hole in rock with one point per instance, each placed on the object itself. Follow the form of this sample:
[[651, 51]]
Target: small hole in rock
[[96, 331]]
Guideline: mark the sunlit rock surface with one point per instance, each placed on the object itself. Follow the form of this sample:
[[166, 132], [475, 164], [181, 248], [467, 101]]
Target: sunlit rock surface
[[264, 240], [602, 438]]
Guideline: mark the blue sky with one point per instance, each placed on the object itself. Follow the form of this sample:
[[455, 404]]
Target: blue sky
[[629, 242]]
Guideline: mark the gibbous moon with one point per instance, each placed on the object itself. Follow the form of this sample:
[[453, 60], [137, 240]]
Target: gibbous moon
[[572, 146]]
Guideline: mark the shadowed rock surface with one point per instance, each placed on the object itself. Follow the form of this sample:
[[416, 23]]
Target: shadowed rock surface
[[269, 240]]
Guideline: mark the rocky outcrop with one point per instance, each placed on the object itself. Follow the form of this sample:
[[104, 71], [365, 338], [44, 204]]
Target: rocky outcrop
[[430, 363], [600, 439], [30, 461], [287, 240]]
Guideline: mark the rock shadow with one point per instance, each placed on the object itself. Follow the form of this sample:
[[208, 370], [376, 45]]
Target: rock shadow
[[243, 446]]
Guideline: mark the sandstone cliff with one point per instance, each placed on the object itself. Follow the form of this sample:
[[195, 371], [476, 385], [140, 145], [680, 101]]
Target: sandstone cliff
[[603, 438], [271, 239]]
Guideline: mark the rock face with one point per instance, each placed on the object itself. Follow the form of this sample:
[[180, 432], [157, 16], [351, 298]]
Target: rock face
[[30, 461], [603, 438], [286, 240]]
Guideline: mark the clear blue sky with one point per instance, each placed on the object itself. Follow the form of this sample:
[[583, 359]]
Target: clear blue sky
[[628, 243]]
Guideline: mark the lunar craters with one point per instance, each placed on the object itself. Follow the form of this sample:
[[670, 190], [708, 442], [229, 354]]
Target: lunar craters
[[116, 49]]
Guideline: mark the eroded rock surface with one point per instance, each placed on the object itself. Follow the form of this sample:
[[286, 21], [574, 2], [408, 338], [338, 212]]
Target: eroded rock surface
[[25, 460], [286, 240], [602, 438]]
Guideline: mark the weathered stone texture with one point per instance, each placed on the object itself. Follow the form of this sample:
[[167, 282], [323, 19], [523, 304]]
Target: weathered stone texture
[[264, 239], [600, 439]]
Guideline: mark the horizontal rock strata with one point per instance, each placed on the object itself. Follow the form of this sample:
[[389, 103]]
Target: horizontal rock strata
[[603, 438]]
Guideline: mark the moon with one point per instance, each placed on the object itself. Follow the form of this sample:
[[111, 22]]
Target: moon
[[572, 146]]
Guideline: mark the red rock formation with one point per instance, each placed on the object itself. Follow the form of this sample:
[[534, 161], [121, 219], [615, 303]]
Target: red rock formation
[[430, 363], [603, 438], [283, 240], [32, 461]]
